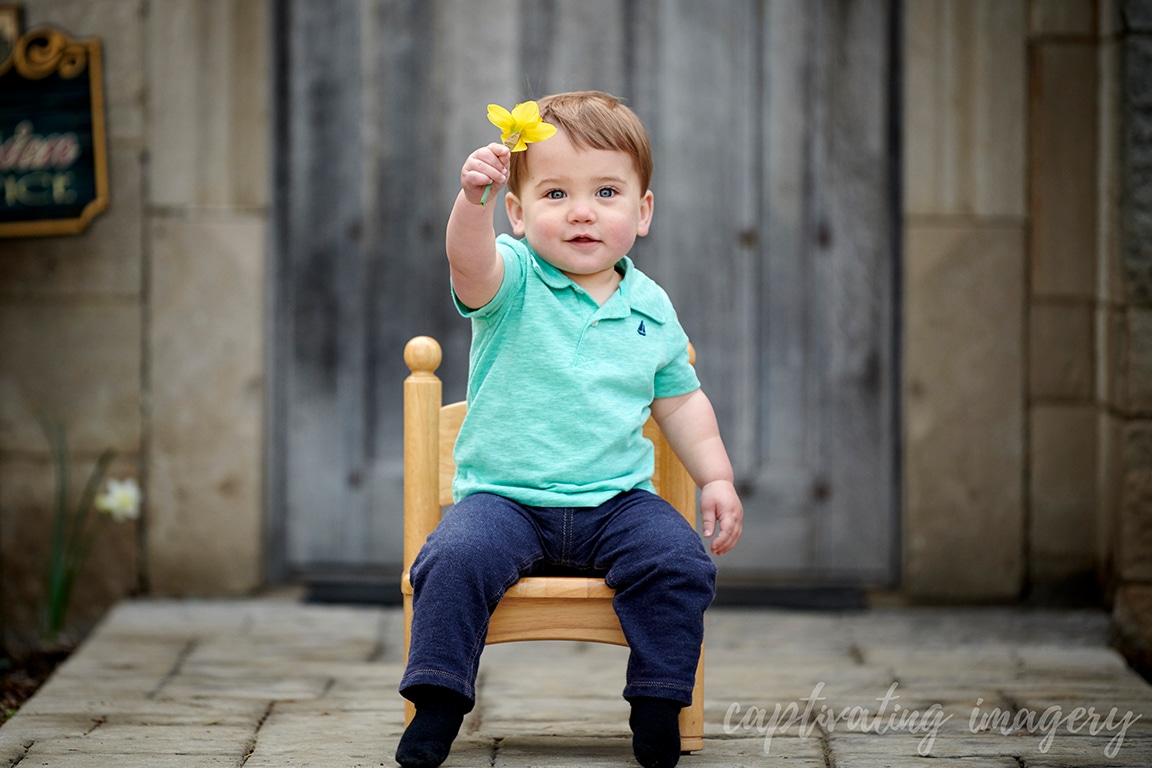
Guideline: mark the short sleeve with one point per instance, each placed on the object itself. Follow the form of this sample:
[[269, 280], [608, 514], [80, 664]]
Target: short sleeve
[[514, 271], [678, 377]]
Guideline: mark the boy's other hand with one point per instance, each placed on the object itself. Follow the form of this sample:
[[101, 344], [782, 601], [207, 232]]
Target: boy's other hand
[[723, 515], [487, 165]]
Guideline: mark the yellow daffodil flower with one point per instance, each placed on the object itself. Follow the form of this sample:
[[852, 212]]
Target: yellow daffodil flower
[[521, 126]]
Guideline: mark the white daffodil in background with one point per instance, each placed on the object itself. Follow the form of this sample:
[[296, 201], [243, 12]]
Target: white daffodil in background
[[120, 500], [76, 527]]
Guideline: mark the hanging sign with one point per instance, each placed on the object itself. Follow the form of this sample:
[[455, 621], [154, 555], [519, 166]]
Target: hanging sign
[[53, 156]]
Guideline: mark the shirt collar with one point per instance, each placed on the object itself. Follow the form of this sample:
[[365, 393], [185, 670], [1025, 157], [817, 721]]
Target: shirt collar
[[632, 295]]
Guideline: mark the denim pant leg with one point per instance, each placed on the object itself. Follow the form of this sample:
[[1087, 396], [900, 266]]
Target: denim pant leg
[[664, 580], [480, 548]]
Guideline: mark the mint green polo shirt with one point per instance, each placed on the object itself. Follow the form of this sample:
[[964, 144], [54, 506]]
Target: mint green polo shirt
[[559, 387]]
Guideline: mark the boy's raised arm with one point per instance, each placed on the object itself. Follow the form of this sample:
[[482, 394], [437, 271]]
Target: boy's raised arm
[[476, 267]]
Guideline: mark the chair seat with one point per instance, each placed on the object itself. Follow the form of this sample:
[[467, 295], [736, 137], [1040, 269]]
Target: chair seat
[[553, 608], [540, 587]]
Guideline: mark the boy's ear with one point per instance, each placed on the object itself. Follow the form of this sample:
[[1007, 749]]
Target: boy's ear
[[515, 213], [645, 222]]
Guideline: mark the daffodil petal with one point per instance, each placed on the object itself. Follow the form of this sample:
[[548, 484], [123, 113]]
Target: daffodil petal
[[526, 113], [538, 132], [501, 118]]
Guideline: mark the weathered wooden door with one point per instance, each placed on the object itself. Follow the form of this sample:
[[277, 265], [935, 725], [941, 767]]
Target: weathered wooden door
[[771, 122]]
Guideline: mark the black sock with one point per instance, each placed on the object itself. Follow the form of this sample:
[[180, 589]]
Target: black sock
[[428, 738], [655, 731]]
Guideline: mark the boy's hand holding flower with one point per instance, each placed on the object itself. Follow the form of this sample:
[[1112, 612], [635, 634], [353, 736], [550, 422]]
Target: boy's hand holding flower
[[485, 168], [488, 166]]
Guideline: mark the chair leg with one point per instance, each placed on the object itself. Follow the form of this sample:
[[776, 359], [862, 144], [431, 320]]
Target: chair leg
[[692, 717], [409, 707]]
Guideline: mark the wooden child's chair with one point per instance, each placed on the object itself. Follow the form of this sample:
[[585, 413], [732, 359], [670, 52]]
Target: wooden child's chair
[[536, 607]]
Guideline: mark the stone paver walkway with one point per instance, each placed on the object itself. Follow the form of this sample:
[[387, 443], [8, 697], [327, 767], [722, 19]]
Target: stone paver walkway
[[272, 683]]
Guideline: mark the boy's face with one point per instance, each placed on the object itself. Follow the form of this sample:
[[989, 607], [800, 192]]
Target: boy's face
[[580, 209]]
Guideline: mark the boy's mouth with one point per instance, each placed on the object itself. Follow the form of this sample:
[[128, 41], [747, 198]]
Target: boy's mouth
[[582, 240]]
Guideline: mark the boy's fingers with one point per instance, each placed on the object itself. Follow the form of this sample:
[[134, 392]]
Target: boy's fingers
[[493, 170], [729, 534], [720, 543], [722, 513], [492, 160], [496, 155], [479, 178], [708, 514]]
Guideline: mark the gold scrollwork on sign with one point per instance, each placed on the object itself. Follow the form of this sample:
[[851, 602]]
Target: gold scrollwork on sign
[[44, 51]]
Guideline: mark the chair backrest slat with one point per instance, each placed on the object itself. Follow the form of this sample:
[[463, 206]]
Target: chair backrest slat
[[451, 417]]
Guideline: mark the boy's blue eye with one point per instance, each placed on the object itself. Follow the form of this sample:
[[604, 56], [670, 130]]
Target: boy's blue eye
[[555, 194], [606, 192]]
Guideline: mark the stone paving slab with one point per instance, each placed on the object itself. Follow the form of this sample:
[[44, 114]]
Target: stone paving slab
[[272, 683]]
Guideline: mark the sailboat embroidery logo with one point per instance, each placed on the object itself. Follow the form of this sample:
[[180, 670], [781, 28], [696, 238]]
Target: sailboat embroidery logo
[[641, 330]]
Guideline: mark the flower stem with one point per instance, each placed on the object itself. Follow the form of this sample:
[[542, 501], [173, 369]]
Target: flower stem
[[509, 142], [56, 585], [73, 532]]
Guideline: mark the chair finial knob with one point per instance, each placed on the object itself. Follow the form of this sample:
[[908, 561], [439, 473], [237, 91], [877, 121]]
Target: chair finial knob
[[422, 354]]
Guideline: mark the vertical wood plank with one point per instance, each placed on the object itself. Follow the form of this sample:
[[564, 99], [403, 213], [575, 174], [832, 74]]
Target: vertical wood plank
[[786, 141], [434, 68], [854, 259], [402, 140], [704, 248], [787, 399], [569, 45], [326, 301]]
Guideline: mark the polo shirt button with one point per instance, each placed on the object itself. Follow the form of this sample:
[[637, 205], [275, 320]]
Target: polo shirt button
[[595, 323]]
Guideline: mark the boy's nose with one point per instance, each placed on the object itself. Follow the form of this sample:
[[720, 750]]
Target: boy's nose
[[581, 210]]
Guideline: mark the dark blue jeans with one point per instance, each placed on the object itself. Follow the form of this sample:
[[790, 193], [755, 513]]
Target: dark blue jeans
[[637, 542]]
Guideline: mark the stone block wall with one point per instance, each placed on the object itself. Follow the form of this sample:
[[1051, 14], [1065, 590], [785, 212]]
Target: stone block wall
[[208, 137], [965, 265], [145, 334], [1018, 326], [1071, 168]]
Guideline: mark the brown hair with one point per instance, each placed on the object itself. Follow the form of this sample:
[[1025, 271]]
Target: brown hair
[[592, 120]]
